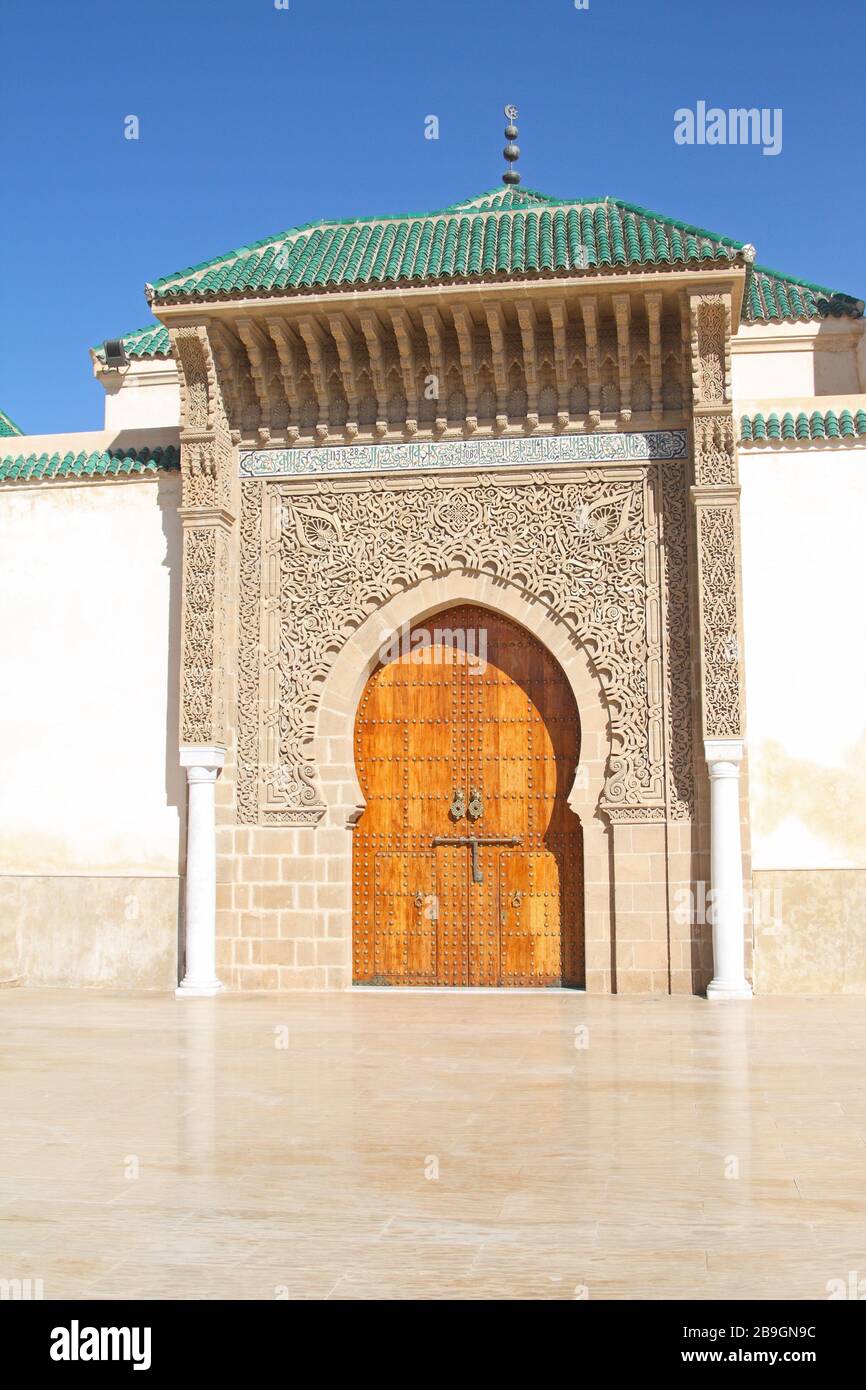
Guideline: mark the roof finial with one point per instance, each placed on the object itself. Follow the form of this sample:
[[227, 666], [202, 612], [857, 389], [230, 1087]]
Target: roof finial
[[511, 151]]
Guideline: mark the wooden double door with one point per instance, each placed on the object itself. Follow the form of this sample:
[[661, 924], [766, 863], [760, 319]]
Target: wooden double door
[[467, 859]]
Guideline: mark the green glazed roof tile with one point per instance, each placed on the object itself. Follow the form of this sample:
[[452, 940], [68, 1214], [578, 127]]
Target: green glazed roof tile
[[495, 233], [8, 427], [151, 341], [100, 463], [771, 296], [757, 428], [500, 233]]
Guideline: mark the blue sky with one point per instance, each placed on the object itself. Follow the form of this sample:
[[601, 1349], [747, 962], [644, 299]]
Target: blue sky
[[254, 119]]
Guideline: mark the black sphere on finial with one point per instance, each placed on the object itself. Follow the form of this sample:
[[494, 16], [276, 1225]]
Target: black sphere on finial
[[512, 150]]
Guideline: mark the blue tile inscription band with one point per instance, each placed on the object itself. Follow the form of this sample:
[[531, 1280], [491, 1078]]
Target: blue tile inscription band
[[463, 453]]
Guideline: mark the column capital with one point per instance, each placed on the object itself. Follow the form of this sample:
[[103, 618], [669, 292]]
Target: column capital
[[207, 516], [209, 756], [723, 750]]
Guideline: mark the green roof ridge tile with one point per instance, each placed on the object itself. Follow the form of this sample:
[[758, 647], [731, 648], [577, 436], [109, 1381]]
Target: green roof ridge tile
[[803, 427], [8, 427], [98, 463]]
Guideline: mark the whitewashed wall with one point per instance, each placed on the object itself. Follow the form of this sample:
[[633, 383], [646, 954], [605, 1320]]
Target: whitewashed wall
[[805, 640], [805, 635], [91, 798]]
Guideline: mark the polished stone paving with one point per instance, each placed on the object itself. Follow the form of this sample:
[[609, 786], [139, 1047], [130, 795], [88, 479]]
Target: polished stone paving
[[394, 1146]]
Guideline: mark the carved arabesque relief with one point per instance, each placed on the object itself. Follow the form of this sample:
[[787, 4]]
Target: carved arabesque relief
[[716, 503], [717, 566], [711, 360], [207, 487], [678, 655], [586, 544], [715, 449]]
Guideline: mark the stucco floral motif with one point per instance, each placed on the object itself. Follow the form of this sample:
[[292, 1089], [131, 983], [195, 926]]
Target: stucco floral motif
[[717, 552], [200, 556], [715, 450], [710, 348], [678, 668], [583, 546]]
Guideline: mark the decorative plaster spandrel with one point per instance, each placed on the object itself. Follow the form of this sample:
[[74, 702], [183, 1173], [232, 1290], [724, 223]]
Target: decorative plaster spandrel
[[587, 545]]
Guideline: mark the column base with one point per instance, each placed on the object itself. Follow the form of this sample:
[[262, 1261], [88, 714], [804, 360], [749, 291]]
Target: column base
[[196, 991], [718, 989]]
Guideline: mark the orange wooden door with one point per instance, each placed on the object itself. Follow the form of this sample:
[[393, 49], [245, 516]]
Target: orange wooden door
[[467, 860]]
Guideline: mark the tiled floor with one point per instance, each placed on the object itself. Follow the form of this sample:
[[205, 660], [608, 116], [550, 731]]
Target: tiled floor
[[290, 1147]]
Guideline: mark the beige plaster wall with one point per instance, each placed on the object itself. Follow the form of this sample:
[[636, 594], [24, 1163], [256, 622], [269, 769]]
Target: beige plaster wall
[[805, 641], [798, 359], [97, 932], [810, 931], [91, 797], [145, 395]]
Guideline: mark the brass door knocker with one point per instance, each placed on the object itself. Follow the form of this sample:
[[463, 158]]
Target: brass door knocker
[[457, 809], [476, 805]]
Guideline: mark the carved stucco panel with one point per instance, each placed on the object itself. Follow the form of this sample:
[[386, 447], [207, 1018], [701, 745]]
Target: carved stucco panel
[[715, 450], [720, 645], [208, 487], [324, 559], [677, 630]]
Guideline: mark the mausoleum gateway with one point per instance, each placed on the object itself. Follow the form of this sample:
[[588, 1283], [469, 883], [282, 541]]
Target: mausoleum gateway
[[606, 442]]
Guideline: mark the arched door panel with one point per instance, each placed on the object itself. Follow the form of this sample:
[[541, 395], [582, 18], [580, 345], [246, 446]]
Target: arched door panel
[[467, 860]]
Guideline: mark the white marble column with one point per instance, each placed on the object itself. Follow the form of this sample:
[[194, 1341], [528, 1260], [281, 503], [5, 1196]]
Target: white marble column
[[202, 769], [724, 756]]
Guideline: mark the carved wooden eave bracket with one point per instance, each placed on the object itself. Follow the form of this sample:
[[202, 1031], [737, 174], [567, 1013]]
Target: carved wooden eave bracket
[[551, 356]]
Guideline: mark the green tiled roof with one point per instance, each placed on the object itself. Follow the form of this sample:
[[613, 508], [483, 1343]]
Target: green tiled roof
[[7, 426], [500, 234], [496, 234], [150, 341], [771, 296], [802, 427], [110, 463]]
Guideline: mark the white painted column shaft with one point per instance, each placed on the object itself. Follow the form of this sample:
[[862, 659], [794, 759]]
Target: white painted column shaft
[[202, 769], [726, 860]]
